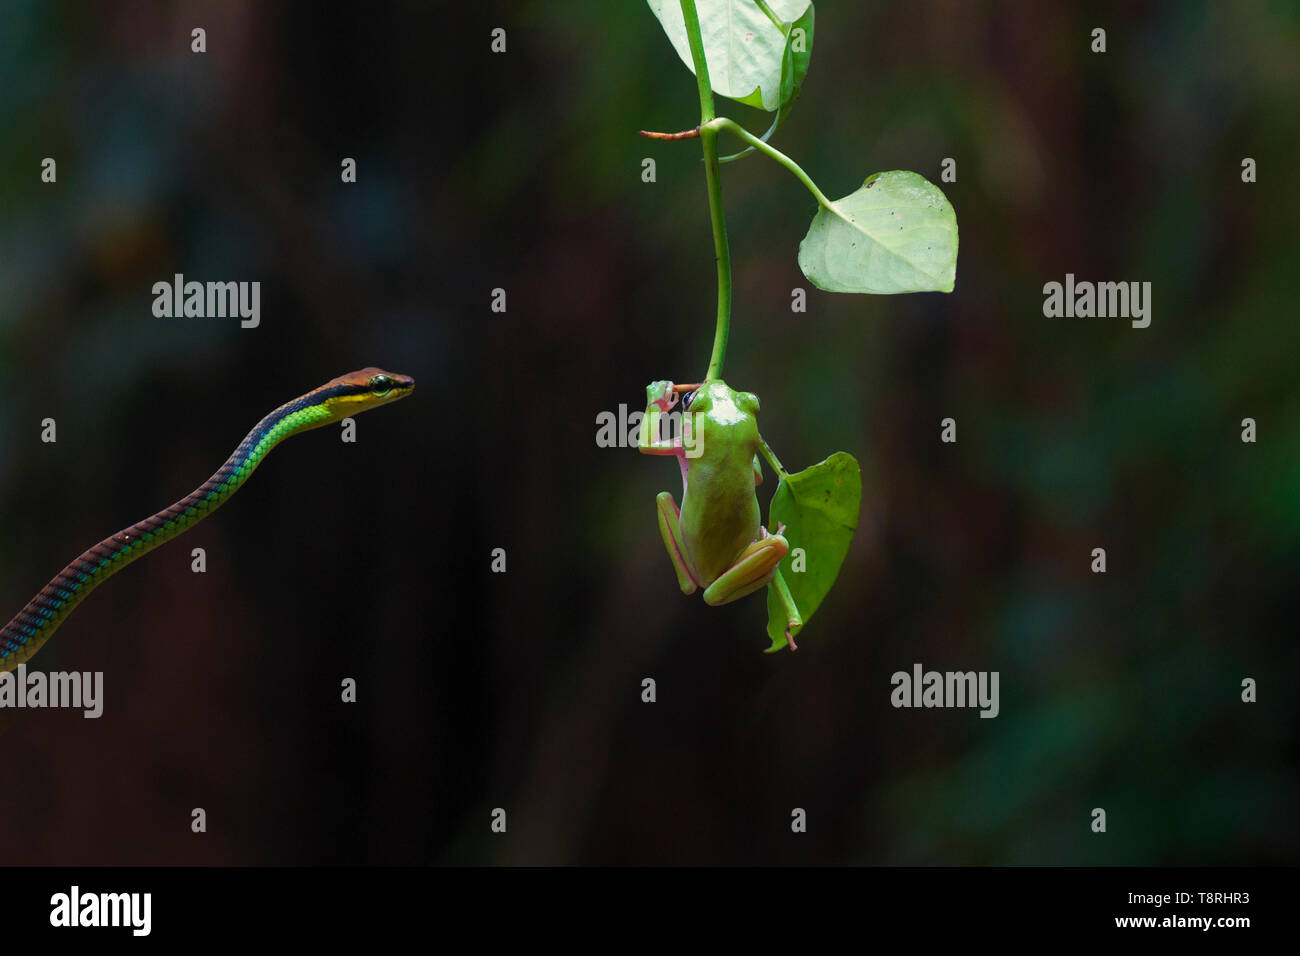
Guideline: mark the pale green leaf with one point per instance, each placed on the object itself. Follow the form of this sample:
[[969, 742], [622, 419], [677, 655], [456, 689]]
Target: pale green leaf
[[794, 67], [743, 47], [897, 233]]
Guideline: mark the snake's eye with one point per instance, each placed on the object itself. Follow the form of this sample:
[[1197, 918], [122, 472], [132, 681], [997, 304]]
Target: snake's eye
[[381, 384], [690, 397]]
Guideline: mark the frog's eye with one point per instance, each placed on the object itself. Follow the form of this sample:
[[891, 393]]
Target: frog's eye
[[690, 397], [381, 384]]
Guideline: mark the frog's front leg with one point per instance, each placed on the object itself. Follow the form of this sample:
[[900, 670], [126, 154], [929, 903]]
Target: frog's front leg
[[670, 527], [755, 567]]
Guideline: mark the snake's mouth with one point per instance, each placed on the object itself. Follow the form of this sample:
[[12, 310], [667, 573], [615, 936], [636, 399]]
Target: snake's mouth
[[401, 390]]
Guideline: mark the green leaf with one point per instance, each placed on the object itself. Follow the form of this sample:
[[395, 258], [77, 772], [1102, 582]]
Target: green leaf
[[744, 48], [794, 67], [819, 508], [897, 233]]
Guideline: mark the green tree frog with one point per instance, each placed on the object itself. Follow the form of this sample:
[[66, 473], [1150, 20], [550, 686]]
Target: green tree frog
[[715, 540]]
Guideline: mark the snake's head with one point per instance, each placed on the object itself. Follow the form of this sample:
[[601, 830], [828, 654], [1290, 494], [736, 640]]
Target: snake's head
[[365, 389]]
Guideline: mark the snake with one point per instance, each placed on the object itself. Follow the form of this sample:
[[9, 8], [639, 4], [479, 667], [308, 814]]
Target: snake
[[337, 399]]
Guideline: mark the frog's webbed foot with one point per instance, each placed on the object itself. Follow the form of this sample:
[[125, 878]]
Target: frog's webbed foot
[[661, 394]]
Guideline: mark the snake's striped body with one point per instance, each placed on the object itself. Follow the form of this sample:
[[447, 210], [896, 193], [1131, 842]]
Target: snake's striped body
[[346, 395]]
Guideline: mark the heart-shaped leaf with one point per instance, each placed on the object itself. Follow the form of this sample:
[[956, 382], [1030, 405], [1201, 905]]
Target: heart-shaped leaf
[[819, 508], [743, 46], [897, 233]]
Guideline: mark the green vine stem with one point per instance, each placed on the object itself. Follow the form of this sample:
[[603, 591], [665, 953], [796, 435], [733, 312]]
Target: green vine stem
[[709, 139]]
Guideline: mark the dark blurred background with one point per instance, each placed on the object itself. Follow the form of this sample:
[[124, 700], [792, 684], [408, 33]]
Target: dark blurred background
[[522, 690]]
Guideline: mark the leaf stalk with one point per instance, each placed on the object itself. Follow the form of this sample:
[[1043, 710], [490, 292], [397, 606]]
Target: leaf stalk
[[735, 129]]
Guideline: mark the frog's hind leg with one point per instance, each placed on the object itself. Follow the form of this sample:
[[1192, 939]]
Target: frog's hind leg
[[754, 569], [670, 528]]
